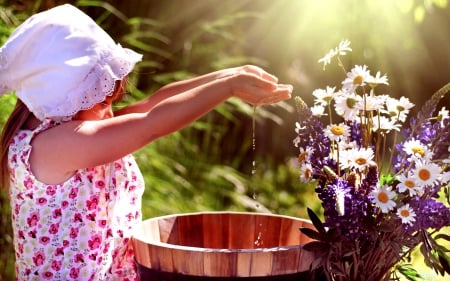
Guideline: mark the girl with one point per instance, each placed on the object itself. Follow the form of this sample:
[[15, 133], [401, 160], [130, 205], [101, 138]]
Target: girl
[[74, 187]]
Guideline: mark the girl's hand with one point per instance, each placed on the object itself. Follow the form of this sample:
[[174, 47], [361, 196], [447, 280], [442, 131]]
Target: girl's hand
[[257, 87]]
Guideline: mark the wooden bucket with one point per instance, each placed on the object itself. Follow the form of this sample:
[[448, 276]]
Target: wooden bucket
[[224, 245]]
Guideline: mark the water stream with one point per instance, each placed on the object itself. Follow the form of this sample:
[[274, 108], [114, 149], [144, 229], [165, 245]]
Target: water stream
[[258, 242]]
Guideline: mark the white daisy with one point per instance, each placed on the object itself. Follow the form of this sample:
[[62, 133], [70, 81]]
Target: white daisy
[[442, 115], [417, 150], [298, 127], [408, 183], [445, 178], [406, 213], [398, 108], [296, 141], [356, 158], [345, 145], [377, 80], [355, 78], [327, 58], [404, 104], [306, 172], [318, 110], [382, 197], [343, 47], [305, 154], [385, 124], [345, 105], [337, 132], [324, 96], [370, 103], [341, 50], [427, 173], [344, 157]]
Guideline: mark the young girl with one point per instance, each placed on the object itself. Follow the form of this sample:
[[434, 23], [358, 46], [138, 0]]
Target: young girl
[[74, 187]]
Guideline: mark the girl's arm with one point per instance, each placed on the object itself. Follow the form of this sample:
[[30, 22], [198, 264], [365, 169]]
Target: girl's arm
[[185, 85], [58, 152]]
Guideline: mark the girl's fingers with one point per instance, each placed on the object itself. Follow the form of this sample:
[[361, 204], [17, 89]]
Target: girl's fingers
[[257, 87], [260, 73], [283, 92]]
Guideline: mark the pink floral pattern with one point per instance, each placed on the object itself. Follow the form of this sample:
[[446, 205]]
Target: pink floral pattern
[[77, 230]]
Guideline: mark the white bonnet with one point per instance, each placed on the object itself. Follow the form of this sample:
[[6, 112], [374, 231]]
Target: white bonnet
[[60, 62]]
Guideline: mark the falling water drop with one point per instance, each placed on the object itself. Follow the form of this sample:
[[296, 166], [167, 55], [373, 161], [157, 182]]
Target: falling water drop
[[258, 242], [254, 152]]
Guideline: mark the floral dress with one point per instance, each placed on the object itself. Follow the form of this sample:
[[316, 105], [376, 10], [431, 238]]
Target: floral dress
[[76, 230]]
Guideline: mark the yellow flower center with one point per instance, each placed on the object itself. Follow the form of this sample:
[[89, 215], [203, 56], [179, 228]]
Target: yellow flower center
[[358, 80], [382, 197], [328, 99], [337, 130], [404, 213], [418, 150], [400, 108], [361, 161], [424, 174], [302, 157], [409, 184], [307, 174], [351, 103]]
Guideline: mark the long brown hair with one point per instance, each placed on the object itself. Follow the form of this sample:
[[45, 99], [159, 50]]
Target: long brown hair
[[15, 122]]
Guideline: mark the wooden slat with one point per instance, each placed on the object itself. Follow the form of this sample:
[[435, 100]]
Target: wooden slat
[[168, 230], [190, 230], [267, 231], [289, 232], [261, 263], [215, 231], [149, 231], [141, 252], [220, 263], [285, 261], [244, 263], [305, 260], [188, 262], [241, 231], [161, 258]]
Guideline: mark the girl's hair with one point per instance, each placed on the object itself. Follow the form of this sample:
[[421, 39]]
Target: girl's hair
[[17, 120]]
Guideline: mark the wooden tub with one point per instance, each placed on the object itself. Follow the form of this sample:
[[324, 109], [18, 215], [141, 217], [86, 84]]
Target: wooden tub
[[222, 245]]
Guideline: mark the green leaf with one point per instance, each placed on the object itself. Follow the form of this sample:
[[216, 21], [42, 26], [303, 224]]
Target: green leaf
[[442, 236], [319, 248], [316, 221], [408, 272], [445, 262], [312, 233], [444, 259]]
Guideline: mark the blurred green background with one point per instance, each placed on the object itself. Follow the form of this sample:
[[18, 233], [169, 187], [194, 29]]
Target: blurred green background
[[208, 166]]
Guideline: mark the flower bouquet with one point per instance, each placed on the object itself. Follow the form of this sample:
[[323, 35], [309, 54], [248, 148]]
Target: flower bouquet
[[380, 200]]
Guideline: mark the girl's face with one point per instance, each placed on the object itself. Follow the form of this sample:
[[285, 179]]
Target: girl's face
[[103, 110], [99, 111]]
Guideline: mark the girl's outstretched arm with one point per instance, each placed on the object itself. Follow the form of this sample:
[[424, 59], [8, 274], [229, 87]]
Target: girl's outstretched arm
[[182, 86], [58, 152]]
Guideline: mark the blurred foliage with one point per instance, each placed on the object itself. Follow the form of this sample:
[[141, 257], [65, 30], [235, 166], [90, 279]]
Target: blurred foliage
[[208, 166]]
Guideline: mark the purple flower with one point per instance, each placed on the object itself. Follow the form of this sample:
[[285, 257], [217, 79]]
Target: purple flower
[[310, 135], [358, 215], [429, 214]]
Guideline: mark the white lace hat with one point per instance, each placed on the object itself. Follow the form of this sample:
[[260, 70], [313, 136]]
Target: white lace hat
[[60, 61]]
